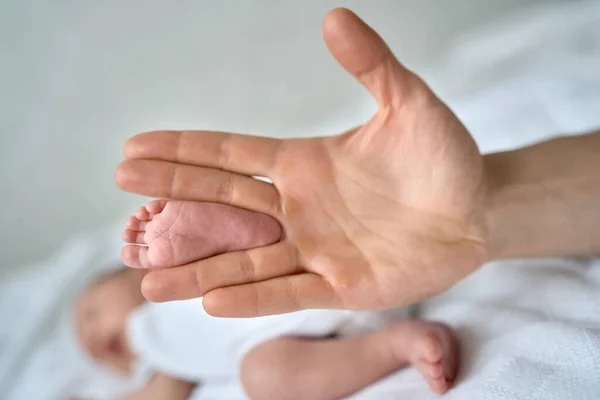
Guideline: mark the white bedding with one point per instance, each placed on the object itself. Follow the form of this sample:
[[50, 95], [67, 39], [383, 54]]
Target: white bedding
[[530, 329]]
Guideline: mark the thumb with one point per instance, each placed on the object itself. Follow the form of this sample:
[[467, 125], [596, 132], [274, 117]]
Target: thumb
[[362, 52]]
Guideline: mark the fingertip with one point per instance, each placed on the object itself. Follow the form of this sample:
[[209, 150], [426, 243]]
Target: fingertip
[[134, 146], [335, 17], [152, 144], [221, 303], [353, 43], [142, 144], [125, 174], [120, 176], [153, 288], [211, 308]]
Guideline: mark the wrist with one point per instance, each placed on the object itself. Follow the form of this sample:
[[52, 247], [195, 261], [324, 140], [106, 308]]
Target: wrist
[[542, 200], [513, 205], [496, 244]]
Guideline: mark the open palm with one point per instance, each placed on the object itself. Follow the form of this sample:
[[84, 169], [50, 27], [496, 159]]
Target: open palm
[[383, 215]]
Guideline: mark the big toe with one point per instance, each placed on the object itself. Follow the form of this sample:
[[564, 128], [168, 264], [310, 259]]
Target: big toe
[[256, 231], [451, 349], [430, 348]]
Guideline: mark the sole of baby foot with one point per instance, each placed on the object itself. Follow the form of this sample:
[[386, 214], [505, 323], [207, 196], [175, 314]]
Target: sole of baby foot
[[167, 233]]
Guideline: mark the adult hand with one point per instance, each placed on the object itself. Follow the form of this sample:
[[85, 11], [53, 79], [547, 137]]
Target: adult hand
[[384, 215]]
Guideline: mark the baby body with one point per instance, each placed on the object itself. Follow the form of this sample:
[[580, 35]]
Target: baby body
[[309, 354]]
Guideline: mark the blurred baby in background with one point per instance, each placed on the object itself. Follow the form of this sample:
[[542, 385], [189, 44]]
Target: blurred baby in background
[[86, 331], [177, 351]]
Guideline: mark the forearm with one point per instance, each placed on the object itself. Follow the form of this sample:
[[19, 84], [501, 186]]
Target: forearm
[[544, 200]]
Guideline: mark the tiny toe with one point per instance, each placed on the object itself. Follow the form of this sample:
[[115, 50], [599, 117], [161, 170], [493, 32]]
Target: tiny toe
[[433, 350], [434, 375], [423, 368], [439, 385], [436, 371], [130, 236], [156, 206], [430, 371], [135, 224], [132, 223], [135, 256], [130, 256], [142, 214]]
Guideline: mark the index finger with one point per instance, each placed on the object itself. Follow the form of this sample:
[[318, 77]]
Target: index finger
[[243, 154]]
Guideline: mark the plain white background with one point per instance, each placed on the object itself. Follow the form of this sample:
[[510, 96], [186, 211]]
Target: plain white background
[[78, 78]]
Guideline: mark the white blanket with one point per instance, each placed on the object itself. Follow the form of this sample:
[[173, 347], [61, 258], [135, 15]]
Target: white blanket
[[529, 77], [529, 330]]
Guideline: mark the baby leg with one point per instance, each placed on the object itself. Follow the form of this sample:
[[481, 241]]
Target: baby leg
[[301, 368], [170, 233]]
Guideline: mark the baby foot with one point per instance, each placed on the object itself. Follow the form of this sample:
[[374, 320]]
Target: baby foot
[[432, 348], [179, 232]]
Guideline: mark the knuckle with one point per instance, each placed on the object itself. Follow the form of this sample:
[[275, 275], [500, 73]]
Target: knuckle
[[180, 142], [292, 296], [199, 281], [247, 267], [176, 182], [255, 300], [273, 204], [224, 188], [224, 155]]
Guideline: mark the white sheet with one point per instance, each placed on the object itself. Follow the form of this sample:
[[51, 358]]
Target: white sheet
[[529, 329], [526, 78]]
